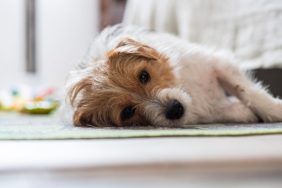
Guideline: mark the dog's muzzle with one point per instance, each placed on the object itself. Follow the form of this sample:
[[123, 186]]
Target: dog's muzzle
[[174, 110]]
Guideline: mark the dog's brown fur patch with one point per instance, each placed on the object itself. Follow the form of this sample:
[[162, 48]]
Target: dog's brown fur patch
[[99, 98]]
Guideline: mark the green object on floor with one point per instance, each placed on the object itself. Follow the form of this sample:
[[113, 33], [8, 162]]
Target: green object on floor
[[49, 127]]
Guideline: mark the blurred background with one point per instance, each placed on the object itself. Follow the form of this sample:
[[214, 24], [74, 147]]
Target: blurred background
[[41, 40]]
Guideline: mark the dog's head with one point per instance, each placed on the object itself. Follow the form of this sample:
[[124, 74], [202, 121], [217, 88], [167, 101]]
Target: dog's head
[[135, 85]]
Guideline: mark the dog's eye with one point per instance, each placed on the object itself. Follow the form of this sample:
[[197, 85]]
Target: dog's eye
[[144, 77], [127, 113]]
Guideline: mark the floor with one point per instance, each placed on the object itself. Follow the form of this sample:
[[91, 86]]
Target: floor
[[254, 161]]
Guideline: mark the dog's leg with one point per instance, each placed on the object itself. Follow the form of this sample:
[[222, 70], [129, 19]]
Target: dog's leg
[[234, 111], [252, 94]]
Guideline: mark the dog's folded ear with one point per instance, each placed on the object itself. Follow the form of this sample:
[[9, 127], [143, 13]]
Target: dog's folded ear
[[128, 47]]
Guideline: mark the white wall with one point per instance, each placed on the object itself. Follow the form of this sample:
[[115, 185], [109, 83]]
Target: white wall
[[65, 29], [11, 42]]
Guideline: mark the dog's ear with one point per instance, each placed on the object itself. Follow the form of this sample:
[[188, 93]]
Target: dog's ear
[[128, 47]]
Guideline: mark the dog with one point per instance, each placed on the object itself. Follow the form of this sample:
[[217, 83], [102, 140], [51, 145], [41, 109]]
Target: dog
[[135, 77]]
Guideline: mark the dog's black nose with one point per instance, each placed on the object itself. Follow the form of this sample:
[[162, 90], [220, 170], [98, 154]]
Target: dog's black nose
[[174, 110]]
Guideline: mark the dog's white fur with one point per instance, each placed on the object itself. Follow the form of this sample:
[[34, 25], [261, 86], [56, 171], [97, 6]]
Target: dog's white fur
[[203, 77]]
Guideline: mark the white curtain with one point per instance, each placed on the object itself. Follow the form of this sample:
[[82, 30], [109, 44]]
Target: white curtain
[[252, 29]]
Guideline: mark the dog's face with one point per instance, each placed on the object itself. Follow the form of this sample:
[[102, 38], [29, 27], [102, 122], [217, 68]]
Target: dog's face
[[135, 85]]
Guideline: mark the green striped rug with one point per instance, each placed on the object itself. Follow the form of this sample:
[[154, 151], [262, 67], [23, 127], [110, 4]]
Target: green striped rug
[[24, 127]]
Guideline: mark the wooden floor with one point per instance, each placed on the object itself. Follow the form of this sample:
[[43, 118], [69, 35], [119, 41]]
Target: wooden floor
[[158, 162]]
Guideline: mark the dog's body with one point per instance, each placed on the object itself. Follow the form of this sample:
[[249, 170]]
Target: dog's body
[[136, 77]]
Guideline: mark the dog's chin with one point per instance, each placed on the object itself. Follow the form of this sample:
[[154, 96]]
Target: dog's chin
[[161, 122], [168, 108]]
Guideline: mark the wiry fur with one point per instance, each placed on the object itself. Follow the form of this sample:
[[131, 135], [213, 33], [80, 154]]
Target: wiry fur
[[199, 78]]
